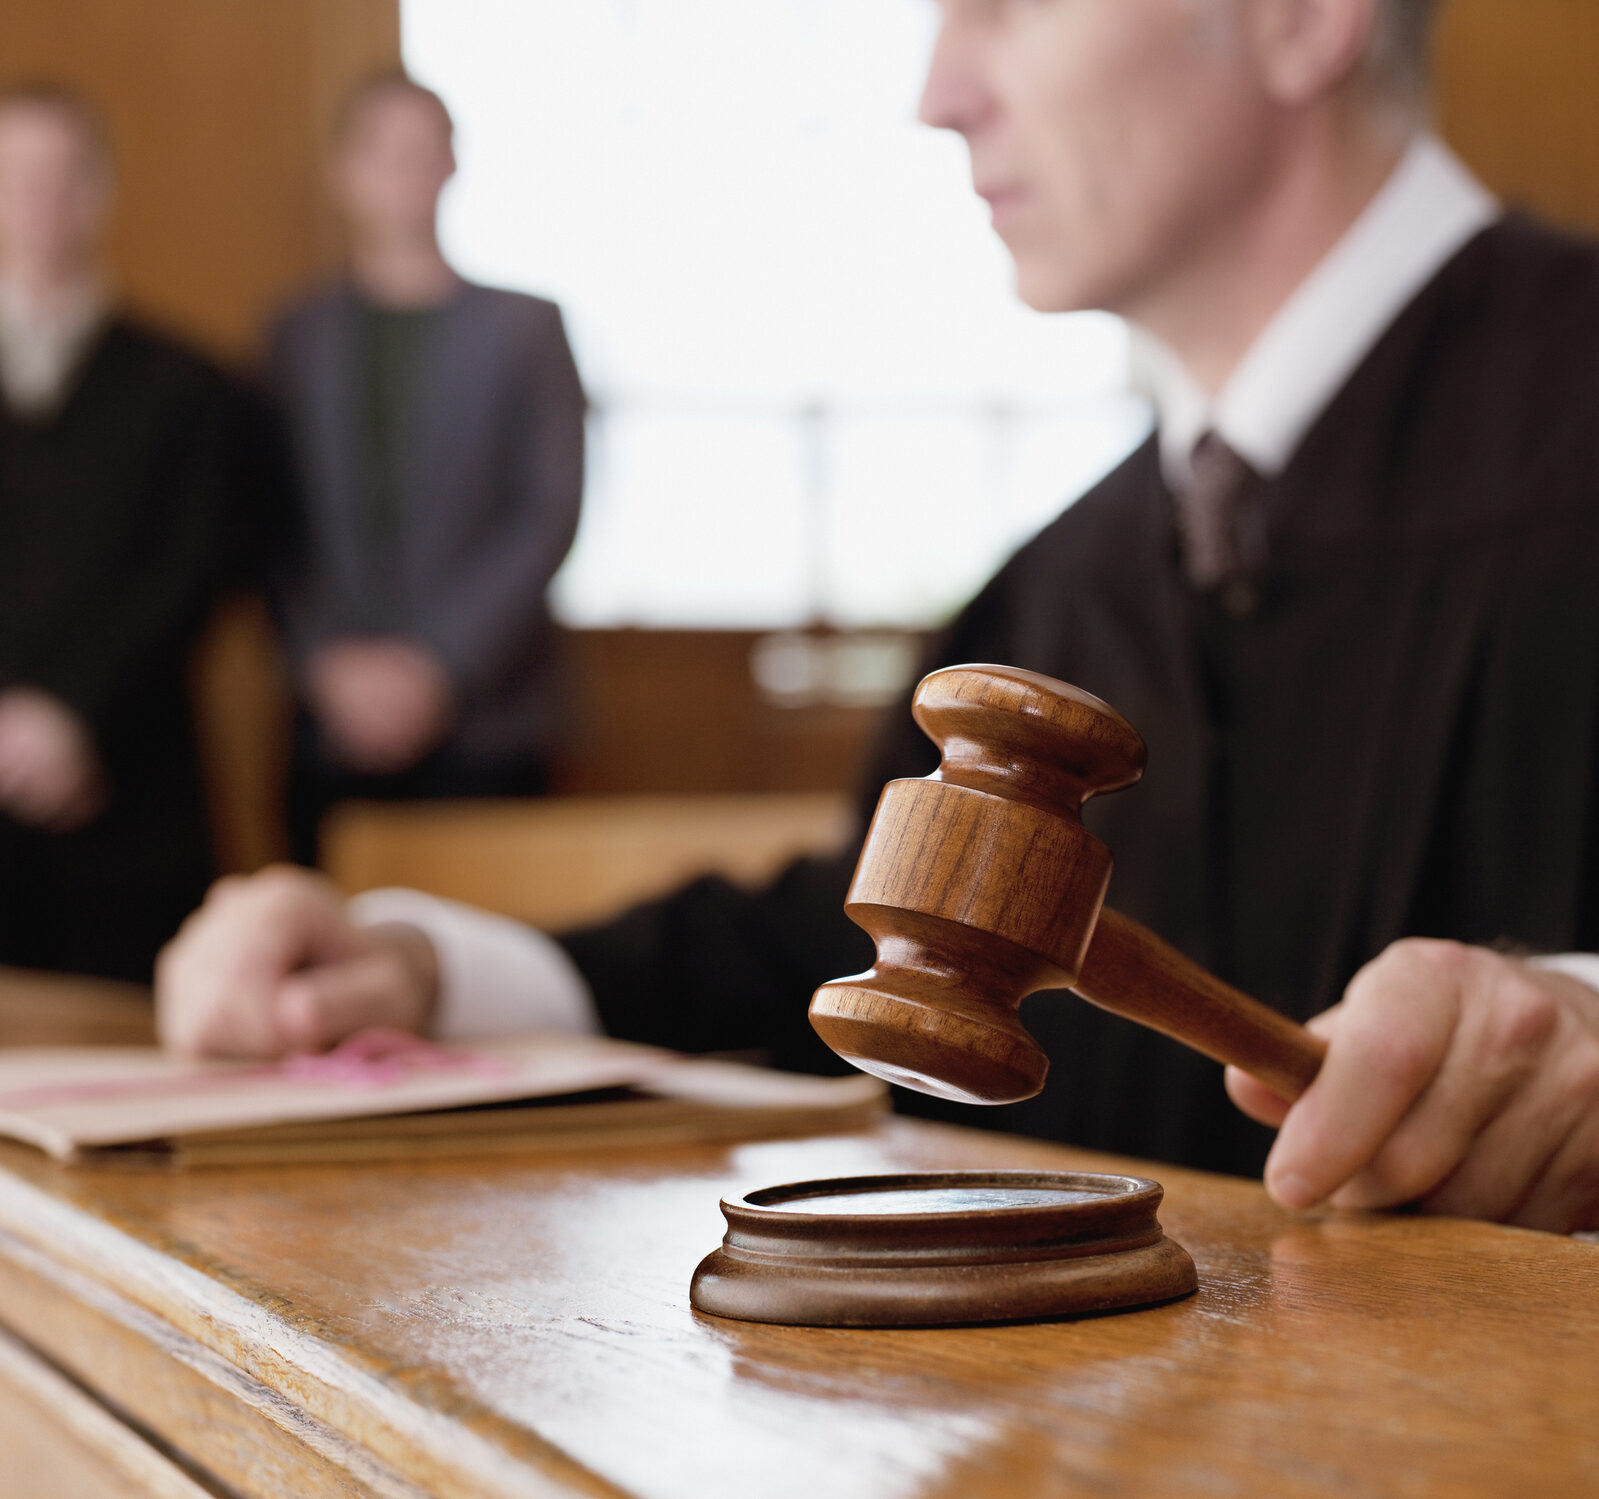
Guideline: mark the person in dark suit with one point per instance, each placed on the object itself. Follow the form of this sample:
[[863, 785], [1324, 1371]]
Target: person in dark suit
[[1345, 592], [118, 494], [437, 431]]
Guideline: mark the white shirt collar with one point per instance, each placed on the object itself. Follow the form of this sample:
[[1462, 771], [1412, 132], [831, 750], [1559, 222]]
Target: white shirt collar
[[40, 347], [1421, 218]]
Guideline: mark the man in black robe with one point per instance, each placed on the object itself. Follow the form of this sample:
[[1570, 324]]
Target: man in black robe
[[115, 489], [1345, 594]]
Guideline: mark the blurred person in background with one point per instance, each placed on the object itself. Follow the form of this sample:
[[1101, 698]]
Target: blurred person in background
[[437, 430], [117, 494]]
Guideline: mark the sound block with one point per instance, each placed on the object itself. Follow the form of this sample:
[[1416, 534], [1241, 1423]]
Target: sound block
[[927, 1249]]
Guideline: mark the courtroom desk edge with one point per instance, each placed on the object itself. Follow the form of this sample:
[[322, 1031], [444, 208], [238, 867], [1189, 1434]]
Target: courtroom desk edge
[[337, 1381]]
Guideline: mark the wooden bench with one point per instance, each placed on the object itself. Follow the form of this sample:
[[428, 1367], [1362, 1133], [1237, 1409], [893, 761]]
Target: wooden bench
[[562, 861]]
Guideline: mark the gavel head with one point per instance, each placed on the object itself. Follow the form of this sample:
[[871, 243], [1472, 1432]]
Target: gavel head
[[979, 885]]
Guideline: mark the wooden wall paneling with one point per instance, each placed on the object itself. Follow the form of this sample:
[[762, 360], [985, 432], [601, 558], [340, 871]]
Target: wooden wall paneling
[[218, 111], [1517, 97], [243, 710], [678, 710]]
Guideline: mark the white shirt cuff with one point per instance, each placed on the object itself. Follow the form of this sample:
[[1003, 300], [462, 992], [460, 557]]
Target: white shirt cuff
[[497, 977], [1582, 966]]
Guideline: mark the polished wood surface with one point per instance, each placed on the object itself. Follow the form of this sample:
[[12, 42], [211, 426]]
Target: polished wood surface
[[1129, 970], [561, 861], [60, 1442], [980, 886], [524, 1328], [52, 1009]]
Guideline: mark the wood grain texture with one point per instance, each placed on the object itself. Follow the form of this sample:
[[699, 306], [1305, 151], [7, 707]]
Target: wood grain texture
[[1516, 98], [522, 1328], [51, 1009], [561, 861], [979, 885], [243, 709], [236, 1434], [58, 1440], [1131, 972]]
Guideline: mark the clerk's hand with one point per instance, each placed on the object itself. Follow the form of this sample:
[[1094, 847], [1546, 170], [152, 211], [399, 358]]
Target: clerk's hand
[[271, 965], [1457, 1079], [50, 775], [383, 703]]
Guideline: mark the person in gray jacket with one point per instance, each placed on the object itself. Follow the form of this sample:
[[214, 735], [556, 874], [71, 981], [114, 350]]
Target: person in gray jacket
[[436, 433]]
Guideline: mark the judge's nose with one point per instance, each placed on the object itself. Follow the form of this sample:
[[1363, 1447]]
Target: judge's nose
[[954, 96]]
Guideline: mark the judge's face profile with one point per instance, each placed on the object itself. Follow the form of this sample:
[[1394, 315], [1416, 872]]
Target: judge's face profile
[[391, 162], [1110, 138], [55, 186]]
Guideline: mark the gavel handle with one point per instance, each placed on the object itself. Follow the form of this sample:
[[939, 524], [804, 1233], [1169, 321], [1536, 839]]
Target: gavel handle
[[1131, 972]]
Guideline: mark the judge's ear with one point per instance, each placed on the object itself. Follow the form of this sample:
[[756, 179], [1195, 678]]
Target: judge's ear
[[1307, 49]]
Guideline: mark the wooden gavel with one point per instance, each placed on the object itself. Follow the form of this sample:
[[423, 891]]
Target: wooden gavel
[[980, 885]]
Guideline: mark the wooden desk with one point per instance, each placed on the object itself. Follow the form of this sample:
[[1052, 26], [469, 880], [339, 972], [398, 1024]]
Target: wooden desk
[[52, 1009], [475, 1329]]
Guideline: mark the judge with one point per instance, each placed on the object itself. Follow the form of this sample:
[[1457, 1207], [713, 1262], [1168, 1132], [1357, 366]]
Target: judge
[[116, 498], [1345, 592]]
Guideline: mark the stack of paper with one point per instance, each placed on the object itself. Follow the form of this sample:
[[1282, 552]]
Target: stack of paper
[[384, 1095]]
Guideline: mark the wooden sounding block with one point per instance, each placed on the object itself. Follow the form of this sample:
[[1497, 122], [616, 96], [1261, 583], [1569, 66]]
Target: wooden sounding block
[[925, 1248], [980, 886]]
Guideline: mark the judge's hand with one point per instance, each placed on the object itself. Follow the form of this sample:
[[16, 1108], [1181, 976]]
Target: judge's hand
[[383, 703], [50, 776], [271, 965], [1456, 1079]]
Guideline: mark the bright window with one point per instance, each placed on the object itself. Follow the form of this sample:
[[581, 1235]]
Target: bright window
[[815, 397]]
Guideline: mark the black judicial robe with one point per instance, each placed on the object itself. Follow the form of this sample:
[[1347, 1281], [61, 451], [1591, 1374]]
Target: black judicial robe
[[117, 514], [1401, 739]]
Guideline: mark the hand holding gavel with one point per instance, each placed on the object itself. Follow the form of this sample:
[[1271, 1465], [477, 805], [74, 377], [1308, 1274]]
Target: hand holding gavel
[[1459, 1079]]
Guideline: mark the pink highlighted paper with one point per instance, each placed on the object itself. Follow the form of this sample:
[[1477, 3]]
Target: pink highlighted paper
[[62, 1099]]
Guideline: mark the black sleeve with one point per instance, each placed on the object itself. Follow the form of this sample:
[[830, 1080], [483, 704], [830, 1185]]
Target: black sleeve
[[715, 967]]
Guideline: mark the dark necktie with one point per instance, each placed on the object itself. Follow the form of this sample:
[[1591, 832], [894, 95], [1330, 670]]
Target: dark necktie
[[1217, 525]]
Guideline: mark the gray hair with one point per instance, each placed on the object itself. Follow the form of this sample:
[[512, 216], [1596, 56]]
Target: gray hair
[[1401, 44]]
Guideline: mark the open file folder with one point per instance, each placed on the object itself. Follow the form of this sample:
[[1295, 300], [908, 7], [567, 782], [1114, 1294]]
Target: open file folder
[[382, 1095]]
